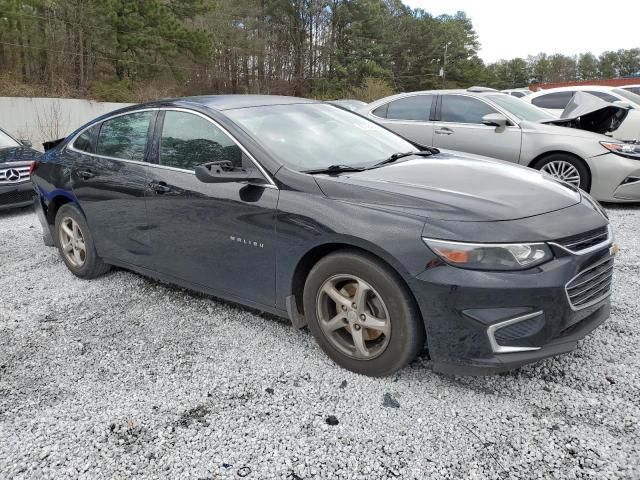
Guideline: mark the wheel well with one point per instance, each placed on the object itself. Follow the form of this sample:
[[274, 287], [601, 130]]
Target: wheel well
[[54, 206], [561, 152], [312, 257], [544, 155]]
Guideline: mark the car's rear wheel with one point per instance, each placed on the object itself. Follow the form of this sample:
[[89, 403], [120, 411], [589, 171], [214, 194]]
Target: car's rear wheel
[[75, 243], [567, 168], [361, 314]]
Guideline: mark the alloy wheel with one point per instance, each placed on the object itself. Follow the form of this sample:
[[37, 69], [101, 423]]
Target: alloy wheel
[[563, 171], [353, 317], [72, 242]]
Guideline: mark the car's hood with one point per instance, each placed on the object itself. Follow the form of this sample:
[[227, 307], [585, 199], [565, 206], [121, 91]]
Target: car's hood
[[453, 186], [588, 112], [18, 154]]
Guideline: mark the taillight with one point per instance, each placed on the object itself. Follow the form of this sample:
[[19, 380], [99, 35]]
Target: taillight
[[32, 167]]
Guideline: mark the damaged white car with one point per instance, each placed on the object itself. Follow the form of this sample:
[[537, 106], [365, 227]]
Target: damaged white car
[[580, 149]]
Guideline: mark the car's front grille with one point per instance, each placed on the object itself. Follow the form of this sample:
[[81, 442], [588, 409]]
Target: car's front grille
[[577, 243], [11, 198], [591, 285], [13, 175]]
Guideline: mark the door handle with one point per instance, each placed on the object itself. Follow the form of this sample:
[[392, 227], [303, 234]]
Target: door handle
[[443, 131], [160, 187], [86, 174]]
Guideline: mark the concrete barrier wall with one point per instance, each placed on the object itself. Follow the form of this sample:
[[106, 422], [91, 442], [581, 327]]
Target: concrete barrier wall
[[43, 119]]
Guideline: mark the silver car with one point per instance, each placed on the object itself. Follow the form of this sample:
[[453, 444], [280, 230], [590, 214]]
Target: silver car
[[486, 122]]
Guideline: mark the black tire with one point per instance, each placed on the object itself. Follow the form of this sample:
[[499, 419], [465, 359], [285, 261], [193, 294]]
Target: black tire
[[407, 336], [92, 265], [579, 165]]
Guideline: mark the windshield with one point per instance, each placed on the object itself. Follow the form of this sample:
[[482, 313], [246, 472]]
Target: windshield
[[308, 136], [520, 109], [6, 141], [632, 97]]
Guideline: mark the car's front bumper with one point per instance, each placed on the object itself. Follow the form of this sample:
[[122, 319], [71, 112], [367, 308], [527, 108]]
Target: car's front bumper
[[615, 178], [16, 195], [487, 322]]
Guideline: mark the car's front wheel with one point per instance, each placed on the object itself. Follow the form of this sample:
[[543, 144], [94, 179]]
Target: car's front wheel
[[361, 314], [75, 243], [567, 168]]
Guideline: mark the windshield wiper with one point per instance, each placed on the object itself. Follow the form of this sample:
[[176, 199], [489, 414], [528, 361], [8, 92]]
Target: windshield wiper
[[335, 169], [399, 155]]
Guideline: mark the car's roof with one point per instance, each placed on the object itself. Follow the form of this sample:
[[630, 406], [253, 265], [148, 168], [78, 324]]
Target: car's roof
[[228, 102], [584, 88], [435, 92]]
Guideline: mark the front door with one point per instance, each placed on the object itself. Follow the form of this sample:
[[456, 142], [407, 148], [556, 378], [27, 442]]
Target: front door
[[109, 180], [460, 128], [220, 236]]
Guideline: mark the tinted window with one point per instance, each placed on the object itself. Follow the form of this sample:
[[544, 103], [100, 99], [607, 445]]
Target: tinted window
[[86, 142], [124, 137], [381, 111], [189, 140], [416, 107], [604, 96], [555, 100], [460, 109], [517, 94]]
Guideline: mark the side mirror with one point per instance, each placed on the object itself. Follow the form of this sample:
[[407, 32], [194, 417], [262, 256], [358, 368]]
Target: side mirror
[[223, 172], [26, 143], [495, 120]]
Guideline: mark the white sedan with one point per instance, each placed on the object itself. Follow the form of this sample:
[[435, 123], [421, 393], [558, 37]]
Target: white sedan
[[555, 100]]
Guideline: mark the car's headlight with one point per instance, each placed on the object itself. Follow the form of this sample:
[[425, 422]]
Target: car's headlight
[[490, 256], [630, 150]]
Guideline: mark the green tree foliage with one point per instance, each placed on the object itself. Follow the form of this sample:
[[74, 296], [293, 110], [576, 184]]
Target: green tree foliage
[[135, 50]]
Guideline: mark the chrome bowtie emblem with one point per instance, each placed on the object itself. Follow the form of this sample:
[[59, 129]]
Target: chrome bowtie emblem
[[12, 175]]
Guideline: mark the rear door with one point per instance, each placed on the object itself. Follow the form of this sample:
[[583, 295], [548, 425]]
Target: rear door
[[460, 128], [217, 235], [109, 180], [409, 116]]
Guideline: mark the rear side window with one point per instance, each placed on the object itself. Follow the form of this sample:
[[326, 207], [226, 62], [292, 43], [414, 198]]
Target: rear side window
[[189, 140], [414, 108], [381, 111], [125, 137], [555, 100], [86, 142], [461, 109]]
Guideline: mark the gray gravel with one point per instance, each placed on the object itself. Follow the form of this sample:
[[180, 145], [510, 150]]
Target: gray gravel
[[123, 377]]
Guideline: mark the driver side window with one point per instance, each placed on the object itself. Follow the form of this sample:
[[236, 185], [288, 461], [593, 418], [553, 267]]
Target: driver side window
[[189, 140]]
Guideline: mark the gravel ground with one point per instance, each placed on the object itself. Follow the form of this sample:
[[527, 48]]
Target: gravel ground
[[123, 377]]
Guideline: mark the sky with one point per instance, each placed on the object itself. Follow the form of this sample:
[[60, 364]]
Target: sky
[[508, 29]]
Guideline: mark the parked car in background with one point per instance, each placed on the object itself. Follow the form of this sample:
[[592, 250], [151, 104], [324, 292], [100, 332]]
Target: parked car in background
[[632, 88], [518, 92], [555, 100], [349, 104], [305, 210], [490, 123], [16, 158]]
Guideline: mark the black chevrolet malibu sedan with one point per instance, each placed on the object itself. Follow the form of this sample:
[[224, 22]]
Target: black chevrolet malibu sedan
[[16, 159], [305, 210]]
